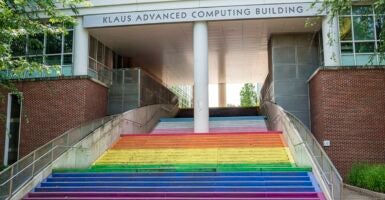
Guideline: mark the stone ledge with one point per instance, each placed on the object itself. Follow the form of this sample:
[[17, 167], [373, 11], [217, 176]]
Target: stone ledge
[[55, 78], [335, 68], [376, 195]]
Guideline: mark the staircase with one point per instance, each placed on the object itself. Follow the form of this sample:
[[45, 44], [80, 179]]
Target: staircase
[[238, 159]]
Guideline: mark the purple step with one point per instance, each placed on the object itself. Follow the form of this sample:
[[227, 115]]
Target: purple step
[[170, 195], [159, 198]]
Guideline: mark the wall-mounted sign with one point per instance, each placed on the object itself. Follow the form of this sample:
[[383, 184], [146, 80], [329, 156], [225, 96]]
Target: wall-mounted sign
[[202, 14]]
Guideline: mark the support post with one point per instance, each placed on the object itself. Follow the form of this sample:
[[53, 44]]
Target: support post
[[80, 48], [331, 42], [201, 100]]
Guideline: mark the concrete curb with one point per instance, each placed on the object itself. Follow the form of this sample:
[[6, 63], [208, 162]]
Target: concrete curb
[[376, 195]]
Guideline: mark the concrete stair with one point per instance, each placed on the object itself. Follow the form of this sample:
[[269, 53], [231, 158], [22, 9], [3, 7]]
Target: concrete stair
[[226, 165]]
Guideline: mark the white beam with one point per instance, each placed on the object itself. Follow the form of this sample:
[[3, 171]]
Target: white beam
[[201, 100], [331, 42], [80, 48]]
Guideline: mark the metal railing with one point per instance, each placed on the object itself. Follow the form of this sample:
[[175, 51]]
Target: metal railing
[[302, 143], [18, 174]]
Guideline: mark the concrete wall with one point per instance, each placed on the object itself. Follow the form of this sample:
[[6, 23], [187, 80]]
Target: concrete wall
[[294, 57], [85, 152], [348, 109]]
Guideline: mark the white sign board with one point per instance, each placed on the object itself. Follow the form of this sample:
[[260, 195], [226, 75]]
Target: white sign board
[[202, 14]]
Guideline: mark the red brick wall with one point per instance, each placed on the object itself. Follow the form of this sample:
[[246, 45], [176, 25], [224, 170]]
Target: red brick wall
[[52, 107], [348, 108]]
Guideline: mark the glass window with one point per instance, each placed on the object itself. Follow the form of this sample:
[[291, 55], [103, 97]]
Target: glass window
[[100, 56], [363, 28], [18, 46], [38, 59], [365, 47], [53, 60], [345, 28], [380, 20], [67, 59], [36, 44], [348, 60], [92, 47], [53, 43], [362, 10], [68, 40], [346, 47], [369, 59]]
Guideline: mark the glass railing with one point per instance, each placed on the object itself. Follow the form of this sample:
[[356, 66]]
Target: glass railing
[[134, 88]]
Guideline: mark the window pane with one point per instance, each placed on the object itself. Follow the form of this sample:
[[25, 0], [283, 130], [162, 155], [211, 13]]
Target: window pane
[[362, 10], [363, 28], [53, 60], [92, 64], [100, 52], [53, 44], [36, 44], [68, 39], [67, 60], [345, 28], [347, 60], [347, 47], [364, 47], [92, 50], [18, 46], [380, 20], [38, 59], [67, 70], [366, 60]]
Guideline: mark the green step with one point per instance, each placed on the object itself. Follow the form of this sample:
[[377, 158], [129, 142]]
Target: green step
[[108, 166], [223, 169]]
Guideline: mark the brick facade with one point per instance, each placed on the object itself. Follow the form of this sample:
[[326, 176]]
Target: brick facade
[[348, 108], [50, 107]]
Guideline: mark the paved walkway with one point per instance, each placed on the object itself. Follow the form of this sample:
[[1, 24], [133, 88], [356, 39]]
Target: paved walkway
[[353, 195]]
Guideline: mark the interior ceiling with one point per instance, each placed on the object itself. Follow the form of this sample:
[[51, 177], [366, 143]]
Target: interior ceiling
[[237, 49]]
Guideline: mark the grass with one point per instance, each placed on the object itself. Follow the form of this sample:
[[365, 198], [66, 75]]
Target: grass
[[368, 176]]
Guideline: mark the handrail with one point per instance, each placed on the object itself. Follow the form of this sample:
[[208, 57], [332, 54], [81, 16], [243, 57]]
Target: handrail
[[302, 142], [19, 173], [152, 117]]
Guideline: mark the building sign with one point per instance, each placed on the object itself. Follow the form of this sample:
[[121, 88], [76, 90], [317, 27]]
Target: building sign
[[202, 14]]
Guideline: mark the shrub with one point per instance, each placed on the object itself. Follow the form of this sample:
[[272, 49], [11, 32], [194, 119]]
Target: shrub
[[369, 176]]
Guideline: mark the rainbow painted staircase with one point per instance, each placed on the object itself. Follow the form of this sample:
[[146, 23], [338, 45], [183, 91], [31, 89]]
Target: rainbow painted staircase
[[235, 164]]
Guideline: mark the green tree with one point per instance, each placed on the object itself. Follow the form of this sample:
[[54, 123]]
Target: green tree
[[248, 95], [336, 7], [23, 21]]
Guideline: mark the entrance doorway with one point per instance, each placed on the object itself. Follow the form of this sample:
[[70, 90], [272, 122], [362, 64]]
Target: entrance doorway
[[11, 147]]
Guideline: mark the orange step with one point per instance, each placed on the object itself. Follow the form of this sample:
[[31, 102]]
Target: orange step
[[248, 140]]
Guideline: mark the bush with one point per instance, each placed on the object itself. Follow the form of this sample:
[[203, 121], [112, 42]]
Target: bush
[[368, 176]]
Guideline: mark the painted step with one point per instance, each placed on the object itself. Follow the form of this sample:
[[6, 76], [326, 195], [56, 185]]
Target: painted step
[[247, 183], [170, 195], [180, 174], [160, 198], [179, 189]]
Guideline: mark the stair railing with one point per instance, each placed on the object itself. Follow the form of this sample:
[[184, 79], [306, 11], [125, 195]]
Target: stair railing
[[14, 177], [306, 149], [302, 143]]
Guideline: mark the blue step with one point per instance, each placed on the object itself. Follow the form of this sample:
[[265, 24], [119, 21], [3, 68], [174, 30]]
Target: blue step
[[197, 178], [179, 189], [178, 174]]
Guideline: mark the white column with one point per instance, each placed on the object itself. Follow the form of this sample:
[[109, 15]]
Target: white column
[[80, 48], [331, 42], [201, 99]]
